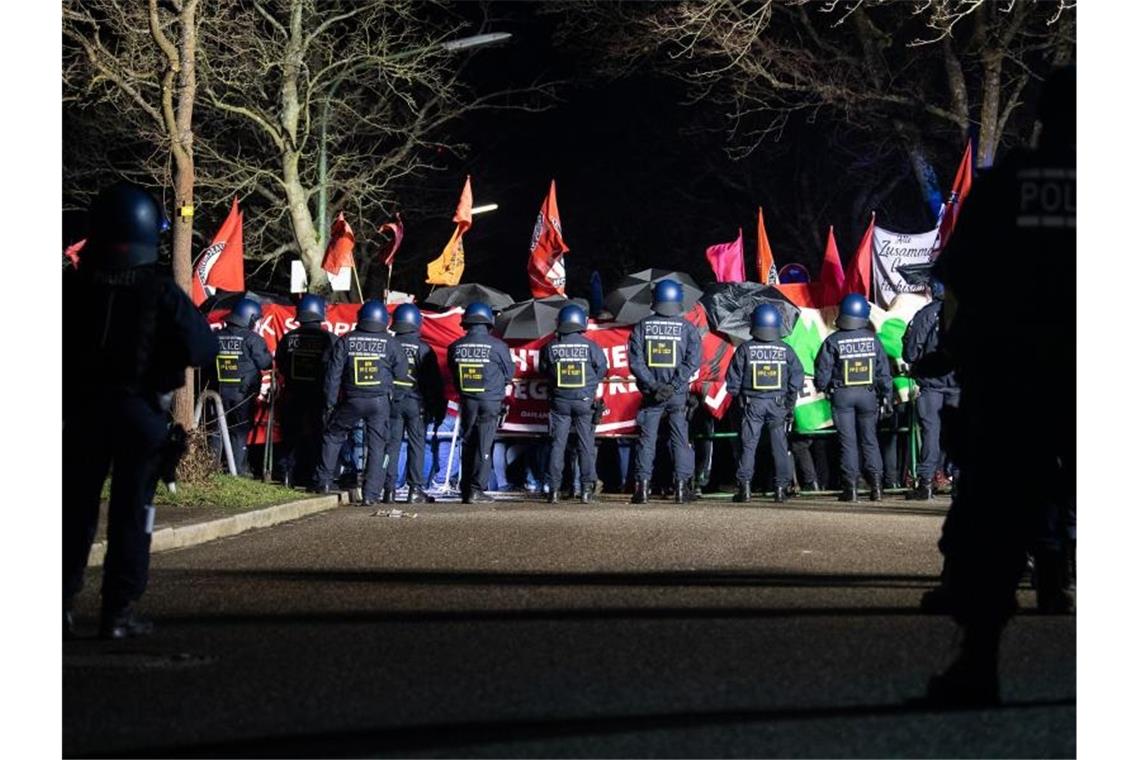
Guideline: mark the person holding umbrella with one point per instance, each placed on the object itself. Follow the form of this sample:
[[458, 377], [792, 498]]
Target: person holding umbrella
[[664, 352], [574, 366]]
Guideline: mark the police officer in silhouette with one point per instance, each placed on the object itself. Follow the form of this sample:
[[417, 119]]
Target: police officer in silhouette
[[765, 378], [664, 352], [131, 333], [574, 366], [851, 369], [481, 367], [242, 356]]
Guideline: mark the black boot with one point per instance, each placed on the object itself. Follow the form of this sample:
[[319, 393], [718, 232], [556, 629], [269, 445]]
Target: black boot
[[640, 492], [322, 490], [123, 623], [587, 493], [781, 495], [743, 492], [849, 493], [69, 633], [416, 495], [476, 496], [922, 492], [552, 497], [812, 486], [876, 489], [682, 491]]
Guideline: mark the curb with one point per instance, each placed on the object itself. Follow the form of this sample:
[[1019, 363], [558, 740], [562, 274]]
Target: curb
[[182, 536]]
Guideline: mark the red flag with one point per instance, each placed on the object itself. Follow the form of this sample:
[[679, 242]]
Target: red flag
[[858, 275], [765, 261], [393, 245], [727, 259], [831, 276], [222, 264], [545, 268], [72, 252], [463, 210], [341, 243], [963, 181]]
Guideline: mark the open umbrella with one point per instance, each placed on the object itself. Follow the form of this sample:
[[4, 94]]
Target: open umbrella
[[730, 304], [533, 318], [468, 293], [225, 299], [630, 300]]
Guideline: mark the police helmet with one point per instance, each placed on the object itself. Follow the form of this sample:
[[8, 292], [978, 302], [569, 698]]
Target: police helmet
[[766, 322], [790, 273], [937, 289], [667, 298], [477, 314], [406, 318], [571, 319], [372, 316], [311, 308], [854, 312], [126, 222], [245, 313]]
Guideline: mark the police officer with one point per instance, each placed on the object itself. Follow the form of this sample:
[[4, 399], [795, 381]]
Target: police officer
[[851, 369], [301, 358], [130, 334], [574, 366], [363, 365], [242, 355], [664, 352], [421, 393], [481, 366], [765, 378], [936, 392]]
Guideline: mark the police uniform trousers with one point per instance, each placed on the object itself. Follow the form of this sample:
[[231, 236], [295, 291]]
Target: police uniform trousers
[[239, 413], [565, 413], [126, 432], [300, 444], [648, 420], [478, 420], [929, 406], [374, 411], [855, 412], [756, 414], [406, 418]]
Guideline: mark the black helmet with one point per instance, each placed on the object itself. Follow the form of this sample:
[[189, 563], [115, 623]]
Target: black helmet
[[477, 313], [766, 322], [406, 318], [571, 319], [668, 298], [311, 308], [372, 316], [125, 223], [245, 313], [854, 312]]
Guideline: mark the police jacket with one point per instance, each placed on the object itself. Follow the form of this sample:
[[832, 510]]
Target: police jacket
[[766, 369], [574, 365], [922, 338], [364, 364], [853, 359], [423, 382], [301, 358], [242, 355], [480, 364], [664, 350], [131, 332]]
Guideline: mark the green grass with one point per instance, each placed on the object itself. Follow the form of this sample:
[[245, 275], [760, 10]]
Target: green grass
[[224, 491]]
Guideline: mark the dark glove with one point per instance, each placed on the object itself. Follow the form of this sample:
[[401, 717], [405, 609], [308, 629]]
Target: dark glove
[[789, 423], [663, 392], [503, 410], [599, 412], [326, 418], [692, 404], [886, 407]]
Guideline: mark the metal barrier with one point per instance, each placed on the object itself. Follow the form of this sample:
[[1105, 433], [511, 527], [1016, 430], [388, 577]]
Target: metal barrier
[[223, 428]]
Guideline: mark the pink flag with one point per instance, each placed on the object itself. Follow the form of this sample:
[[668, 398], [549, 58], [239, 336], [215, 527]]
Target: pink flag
[[727, 259], [831, 275], [72, 252]]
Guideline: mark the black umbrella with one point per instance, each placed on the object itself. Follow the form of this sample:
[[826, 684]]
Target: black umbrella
[[630, 300], [468, 293], [533, 318], [730, 304], [226, 299]]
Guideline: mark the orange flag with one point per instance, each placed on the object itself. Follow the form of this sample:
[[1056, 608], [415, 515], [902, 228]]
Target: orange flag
[[831, 273], [765, 261], [221, 265], [341, 243], [545, 268], [858, 275], [448, 268]]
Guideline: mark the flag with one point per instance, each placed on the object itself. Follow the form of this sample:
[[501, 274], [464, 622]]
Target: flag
[[857, 279], [831, 273], [222, 264], [727, 259], [765, 261], [396, 228], [448, 268], [341, 243], [963, 181], [72, 252], [545, 268]]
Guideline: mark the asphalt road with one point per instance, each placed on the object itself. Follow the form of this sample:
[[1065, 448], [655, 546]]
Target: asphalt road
[[520, 629]]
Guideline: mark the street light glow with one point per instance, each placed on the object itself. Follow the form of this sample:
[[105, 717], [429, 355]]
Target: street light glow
[[478, 40], [484, 208]]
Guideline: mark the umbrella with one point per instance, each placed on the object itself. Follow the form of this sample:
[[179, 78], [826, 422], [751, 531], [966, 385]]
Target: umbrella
[[730, 304], [468, 293], [630, 300], [917, 274], [533, 318], [226, 299]]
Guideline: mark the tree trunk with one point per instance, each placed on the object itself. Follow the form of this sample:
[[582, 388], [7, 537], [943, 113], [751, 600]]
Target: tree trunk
[[988, 134], [301, 218]]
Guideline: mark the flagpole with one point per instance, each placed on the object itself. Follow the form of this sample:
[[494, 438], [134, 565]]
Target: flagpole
[[388, 289], [359, 292]]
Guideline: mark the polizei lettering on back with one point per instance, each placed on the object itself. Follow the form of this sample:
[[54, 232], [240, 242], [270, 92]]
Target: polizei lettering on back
[[472, 352]]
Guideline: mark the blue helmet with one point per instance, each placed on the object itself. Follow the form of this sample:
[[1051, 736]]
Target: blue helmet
[[372, 316], [477, 313], [668, 297], [794, 273], [245, 313], [766, 322], [854, 312], [126, 222], [937, 289], [311, 308], [571, 319], [406, 318]]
